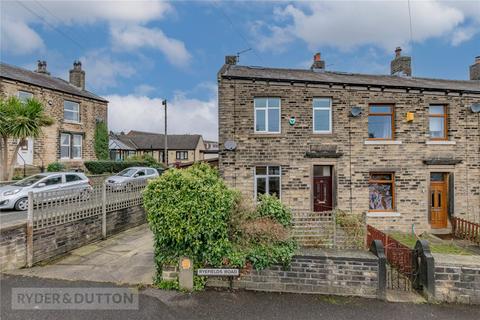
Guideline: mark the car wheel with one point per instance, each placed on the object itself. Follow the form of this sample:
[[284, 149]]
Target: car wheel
[[22, 204]]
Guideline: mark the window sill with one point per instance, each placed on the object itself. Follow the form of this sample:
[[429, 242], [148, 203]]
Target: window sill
[[72, 122], [383, 214], [440, 142], [266, 135], [380, 142]]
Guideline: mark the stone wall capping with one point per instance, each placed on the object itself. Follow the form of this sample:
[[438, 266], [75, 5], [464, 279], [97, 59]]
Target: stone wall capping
[[383, 214]]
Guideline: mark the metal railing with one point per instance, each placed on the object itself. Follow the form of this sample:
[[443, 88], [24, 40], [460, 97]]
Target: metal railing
[[465, 229]]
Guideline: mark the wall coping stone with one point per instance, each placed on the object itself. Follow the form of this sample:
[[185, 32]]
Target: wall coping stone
[[456, 260], [349, 255], [12, 225]]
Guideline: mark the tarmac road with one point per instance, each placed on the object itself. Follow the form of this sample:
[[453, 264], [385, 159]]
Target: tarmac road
[[160, 304], [12, 216]]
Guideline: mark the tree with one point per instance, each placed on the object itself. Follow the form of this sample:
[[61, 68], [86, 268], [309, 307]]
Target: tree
[[101, 141], [19, 120]]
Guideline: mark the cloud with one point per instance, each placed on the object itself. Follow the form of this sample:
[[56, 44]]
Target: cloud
[[385, 24], [144, 90], [18, 37], [185, 114], [135, 37], [102, 71], [127, 20]]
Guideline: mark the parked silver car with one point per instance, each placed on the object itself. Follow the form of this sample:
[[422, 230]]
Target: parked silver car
[[121, 180], [15, 196]]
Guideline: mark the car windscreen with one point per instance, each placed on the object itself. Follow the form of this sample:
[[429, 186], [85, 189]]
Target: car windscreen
[[126, 173], [29, 181]]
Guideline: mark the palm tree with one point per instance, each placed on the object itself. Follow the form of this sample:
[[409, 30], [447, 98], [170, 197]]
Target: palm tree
[[20, 120]]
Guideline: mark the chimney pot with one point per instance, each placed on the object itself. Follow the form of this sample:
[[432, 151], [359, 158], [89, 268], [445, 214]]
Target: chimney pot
[[318, 64], [231, 60], [42, 67], [475, 69], [77, 75], [401, 65]]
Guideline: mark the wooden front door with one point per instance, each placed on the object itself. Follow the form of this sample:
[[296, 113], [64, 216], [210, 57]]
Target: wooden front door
[[322, 189], [438, 200]]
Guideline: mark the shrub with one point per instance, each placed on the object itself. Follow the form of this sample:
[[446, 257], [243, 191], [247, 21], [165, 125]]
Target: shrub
[[188, 211], [270, 206], [101, 141], [55, 167], [145, 158]]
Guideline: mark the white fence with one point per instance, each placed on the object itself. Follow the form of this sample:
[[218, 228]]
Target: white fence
[[50, 208]]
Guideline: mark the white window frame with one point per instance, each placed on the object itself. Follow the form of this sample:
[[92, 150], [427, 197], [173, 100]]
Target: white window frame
[[329, 108], [65, 145], [267, 176], [73, 111], [266, 108], [180, 153], [73, 135], [28, 93]]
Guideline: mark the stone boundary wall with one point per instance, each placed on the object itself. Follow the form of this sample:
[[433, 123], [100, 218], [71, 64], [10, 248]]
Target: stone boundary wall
[[13, 253], [54, 241], [351, 273], [457, 279]]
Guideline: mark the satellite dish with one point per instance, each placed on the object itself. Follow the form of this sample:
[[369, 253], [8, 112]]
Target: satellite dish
[[356, 111], [230, 145], [475, 107]]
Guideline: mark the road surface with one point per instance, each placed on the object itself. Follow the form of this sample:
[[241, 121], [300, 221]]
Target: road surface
[[12, 216], [159, 304]]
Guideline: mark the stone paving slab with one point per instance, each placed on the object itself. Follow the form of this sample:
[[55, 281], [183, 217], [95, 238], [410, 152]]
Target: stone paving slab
[[126, 258]]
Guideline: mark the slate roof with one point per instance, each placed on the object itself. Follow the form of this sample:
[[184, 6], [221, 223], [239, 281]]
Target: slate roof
[[147, 140], [302, 75], [45, 81]]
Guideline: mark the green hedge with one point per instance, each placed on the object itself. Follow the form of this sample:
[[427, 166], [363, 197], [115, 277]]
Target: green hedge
[[111, 166]]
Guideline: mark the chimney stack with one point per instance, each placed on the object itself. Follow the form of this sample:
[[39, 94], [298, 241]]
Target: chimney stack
[[42, 67], [231, 60], [475, 69], [77, 75], [318, 64], [401, 65]]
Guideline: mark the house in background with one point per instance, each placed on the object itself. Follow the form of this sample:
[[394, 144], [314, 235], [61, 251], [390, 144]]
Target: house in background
[[182, 148], [404, 151], [211, 149], [75, 111]]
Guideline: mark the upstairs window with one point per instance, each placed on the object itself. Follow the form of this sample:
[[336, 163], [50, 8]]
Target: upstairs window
[[24, 95], [322, 115], [381, 122], [381, 187], [71, 111], [437, 122], [267, 115], [182, 155], [267, 180]]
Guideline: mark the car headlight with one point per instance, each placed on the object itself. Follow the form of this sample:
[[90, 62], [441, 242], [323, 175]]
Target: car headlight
[[11, 192]]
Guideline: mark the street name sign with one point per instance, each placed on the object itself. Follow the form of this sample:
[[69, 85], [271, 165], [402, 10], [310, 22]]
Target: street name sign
[[218, 272]]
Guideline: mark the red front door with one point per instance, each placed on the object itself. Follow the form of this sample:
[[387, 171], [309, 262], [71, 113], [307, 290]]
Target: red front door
[[322, 189]]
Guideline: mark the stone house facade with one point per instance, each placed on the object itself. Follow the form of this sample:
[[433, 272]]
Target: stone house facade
[[75, 111], [182, 148], [404, 151]]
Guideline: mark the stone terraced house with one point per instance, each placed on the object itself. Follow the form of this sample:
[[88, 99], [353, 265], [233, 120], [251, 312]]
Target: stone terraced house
[[404, 151], [75, 111]]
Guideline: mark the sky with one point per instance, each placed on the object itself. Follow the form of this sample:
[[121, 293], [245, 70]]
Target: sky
[[137, 53]]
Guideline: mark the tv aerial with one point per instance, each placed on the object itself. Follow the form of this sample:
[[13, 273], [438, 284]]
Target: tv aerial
[[241, 52]]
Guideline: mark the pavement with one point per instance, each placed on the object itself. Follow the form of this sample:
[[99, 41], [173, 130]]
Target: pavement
[[11, 216], [210, 304], [125, 258]]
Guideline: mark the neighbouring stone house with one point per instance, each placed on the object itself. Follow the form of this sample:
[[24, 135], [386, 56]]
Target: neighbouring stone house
[[211, 149], [182, 148], [75, 111], [403, 150]]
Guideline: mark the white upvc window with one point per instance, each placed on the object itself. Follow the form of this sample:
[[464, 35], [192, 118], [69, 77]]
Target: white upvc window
[[77, 146], [71, 111], [267, 115], [268, 180], [322, 115], [24, 95], [65, 146], [71, 146]]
